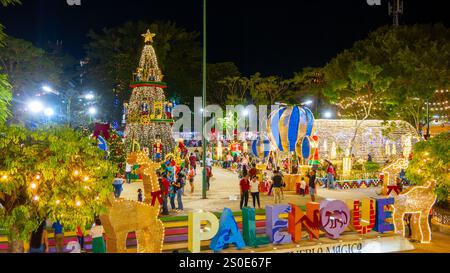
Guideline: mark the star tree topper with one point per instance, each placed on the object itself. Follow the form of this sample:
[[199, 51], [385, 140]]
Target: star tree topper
[[148, 36]]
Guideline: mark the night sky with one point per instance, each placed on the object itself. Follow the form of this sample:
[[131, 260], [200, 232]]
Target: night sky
[[273, 37]]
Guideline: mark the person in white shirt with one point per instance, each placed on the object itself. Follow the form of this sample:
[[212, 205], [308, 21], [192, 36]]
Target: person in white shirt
[[98, 242], [254, 188], [302, 187], [128, 169]]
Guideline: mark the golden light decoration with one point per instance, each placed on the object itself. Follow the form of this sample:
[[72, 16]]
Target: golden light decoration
[[124, 216], [418, 201], [58, 202], [391, 171], [86, 178], [38, 177], [78, 203], [36, 198], [76, 172], [148, 36], [33, 186], [4, 177]]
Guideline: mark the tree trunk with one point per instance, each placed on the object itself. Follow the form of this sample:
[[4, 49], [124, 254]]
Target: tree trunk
[[14, 245]]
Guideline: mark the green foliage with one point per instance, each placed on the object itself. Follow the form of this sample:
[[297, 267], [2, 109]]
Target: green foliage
[[5, 98], [431, 161], [27, 66], [268, 90], [216, 73], [117, 153], [38, 179], [414, 57], [371, 167], [234, 90]]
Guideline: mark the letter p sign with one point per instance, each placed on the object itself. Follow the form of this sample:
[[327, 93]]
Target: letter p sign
[[374, 2]]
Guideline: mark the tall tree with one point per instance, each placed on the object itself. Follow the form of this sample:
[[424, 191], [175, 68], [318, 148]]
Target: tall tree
[[361, 93], [234, 90], [28, 68], [114, 55], [415, 57], [268, 90], [309, 84], [54, 173], [216, 73]]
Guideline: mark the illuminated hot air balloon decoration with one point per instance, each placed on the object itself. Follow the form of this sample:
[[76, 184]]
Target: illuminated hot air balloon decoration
[[261, 147], [290, 129]]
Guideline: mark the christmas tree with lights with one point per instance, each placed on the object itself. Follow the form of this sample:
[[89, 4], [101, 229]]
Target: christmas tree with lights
[[148, 115]]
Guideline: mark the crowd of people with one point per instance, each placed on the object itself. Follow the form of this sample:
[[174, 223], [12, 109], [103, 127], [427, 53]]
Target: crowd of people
[[39, 239]]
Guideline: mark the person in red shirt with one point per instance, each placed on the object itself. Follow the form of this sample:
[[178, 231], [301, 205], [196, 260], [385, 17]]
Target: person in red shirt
[[164, 185], [193, 162], [253, 171], [245, 187]]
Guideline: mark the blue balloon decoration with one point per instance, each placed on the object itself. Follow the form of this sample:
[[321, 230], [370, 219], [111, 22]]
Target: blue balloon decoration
[[306, 147], [260, 148], [287, 125], [228, 232], [102, 144]]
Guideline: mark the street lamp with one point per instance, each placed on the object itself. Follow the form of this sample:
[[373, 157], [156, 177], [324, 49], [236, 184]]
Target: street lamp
[[328, 115], [35, 106], [49, 112], [90, 96], [92, 111]]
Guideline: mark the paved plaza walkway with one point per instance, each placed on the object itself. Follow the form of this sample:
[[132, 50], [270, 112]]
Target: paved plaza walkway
[[224, 192]]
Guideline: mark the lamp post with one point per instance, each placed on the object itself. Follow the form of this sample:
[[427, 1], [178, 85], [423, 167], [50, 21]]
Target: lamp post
[[427, 135], [204, 103]]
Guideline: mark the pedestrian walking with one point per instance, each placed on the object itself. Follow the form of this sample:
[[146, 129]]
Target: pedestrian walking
[[118, 185], [128, 169], [140, 197], [331, 173], [254, 188], [39, 240], [165, 188], [80, 238], [312, 185], [302, 187], [59, 236], [277, 181], [245, 187], [96, 232]]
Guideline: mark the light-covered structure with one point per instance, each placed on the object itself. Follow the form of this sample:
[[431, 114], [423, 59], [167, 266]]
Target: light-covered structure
[[369, 138]]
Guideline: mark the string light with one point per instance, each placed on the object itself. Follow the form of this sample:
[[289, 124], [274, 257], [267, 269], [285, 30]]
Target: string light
[[86, 178], [33, 186], [76, 173], [36, 198], [58, 202], [38, 177], [78, 203], [4, 177]]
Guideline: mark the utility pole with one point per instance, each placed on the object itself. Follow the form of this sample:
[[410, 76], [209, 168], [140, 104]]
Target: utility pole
[[204, 183], [427, 136], [395, 10]]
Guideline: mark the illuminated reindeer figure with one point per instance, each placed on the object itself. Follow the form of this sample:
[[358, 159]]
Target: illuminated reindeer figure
[[124, 216], [391, 171], [417, 201], [147, 168]]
